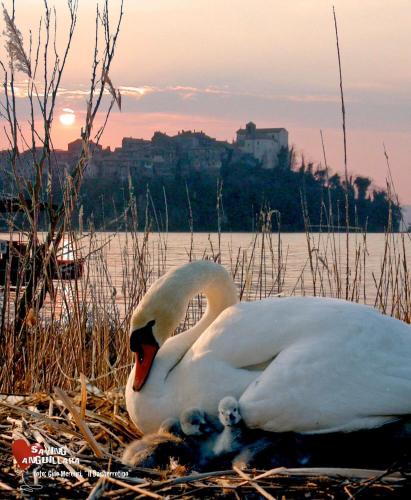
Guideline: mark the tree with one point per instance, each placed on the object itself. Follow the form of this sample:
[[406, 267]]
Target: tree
[[283, 159], [30, 168], [362, 184]]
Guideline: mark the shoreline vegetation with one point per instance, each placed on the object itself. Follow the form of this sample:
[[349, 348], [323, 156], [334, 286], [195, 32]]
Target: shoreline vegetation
[[80, 328], [229, 199], [233, 198]]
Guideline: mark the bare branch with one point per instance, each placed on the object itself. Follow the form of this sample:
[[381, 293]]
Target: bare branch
[[115, 93]]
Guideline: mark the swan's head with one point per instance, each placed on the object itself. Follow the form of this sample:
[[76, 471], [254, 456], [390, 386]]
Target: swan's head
[[165, 304], [228, 411], [194, 422], [145, 346], [154, 320]]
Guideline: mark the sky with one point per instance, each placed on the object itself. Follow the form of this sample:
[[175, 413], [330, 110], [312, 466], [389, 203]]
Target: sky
[[214, 65]]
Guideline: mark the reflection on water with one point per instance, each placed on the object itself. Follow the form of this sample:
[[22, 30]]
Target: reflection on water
[[262, 266], [117, 265]]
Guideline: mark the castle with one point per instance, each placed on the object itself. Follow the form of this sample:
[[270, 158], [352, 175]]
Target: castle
[[264, 144]]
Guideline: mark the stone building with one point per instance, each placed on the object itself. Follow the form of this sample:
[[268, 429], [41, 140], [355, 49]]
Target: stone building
[[264, 144]]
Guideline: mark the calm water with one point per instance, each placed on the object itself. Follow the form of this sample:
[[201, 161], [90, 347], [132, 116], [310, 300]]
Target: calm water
[[262, 266]]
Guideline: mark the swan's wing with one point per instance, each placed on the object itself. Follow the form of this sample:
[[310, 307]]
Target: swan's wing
[[312, 364], [359, 378], [252, 334]]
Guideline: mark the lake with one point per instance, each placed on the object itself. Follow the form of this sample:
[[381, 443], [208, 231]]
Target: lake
[[267, 264], [121, 266]]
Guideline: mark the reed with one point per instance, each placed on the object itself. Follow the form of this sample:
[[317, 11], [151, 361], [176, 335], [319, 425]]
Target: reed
[[82, 327]]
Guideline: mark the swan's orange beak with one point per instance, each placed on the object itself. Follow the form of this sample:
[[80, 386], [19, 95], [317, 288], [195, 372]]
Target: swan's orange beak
[[144, 362], [144, 344]]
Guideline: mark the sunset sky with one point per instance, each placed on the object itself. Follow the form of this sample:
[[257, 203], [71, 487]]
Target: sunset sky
[[213, 65]]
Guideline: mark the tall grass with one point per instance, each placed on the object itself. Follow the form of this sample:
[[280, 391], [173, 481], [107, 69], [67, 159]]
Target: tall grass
[[83, 326]]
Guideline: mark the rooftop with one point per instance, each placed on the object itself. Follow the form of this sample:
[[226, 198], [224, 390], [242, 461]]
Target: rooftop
[[261, 130]]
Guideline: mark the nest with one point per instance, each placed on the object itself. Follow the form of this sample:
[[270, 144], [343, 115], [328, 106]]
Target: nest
[[87, 431]]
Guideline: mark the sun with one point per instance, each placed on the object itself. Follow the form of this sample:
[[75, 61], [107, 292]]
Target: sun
[[68, 117]]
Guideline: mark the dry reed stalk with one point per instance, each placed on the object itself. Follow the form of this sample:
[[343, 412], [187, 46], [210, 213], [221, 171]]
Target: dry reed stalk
[[347, 216], [91, 336], [51, 424], [255, 484]]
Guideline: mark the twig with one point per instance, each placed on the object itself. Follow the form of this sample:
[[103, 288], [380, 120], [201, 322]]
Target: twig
[[259, 488], [80, 422]]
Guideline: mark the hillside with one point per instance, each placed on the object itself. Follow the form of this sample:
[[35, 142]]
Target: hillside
[[406, 213], [233, 197]]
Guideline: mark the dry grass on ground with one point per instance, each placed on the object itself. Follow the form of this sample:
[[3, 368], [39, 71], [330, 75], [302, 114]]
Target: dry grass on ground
[[94, 426]]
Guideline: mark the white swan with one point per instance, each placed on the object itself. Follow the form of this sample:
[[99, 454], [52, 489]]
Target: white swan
[[300, 364]]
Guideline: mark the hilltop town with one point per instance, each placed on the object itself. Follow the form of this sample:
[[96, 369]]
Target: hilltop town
[[191, 180], [188, 151]]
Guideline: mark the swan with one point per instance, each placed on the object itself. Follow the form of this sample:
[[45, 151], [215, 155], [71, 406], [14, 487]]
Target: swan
[[301, 364], [157, 450], [229, 412], [195, 422], [254, 448], [171, 426], [185, 440], [233, 437]]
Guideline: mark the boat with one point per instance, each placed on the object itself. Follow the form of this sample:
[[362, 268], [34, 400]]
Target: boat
[[67, 266]]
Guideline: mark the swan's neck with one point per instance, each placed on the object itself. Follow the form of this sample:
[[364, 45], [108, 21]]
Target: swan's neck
[[220, 293]]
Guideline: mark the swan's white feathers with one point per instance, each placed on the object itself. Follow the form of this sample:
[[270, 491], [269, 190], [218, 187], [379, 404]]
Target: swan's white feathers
[[328, 364], [167, 299], [333, 381]]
